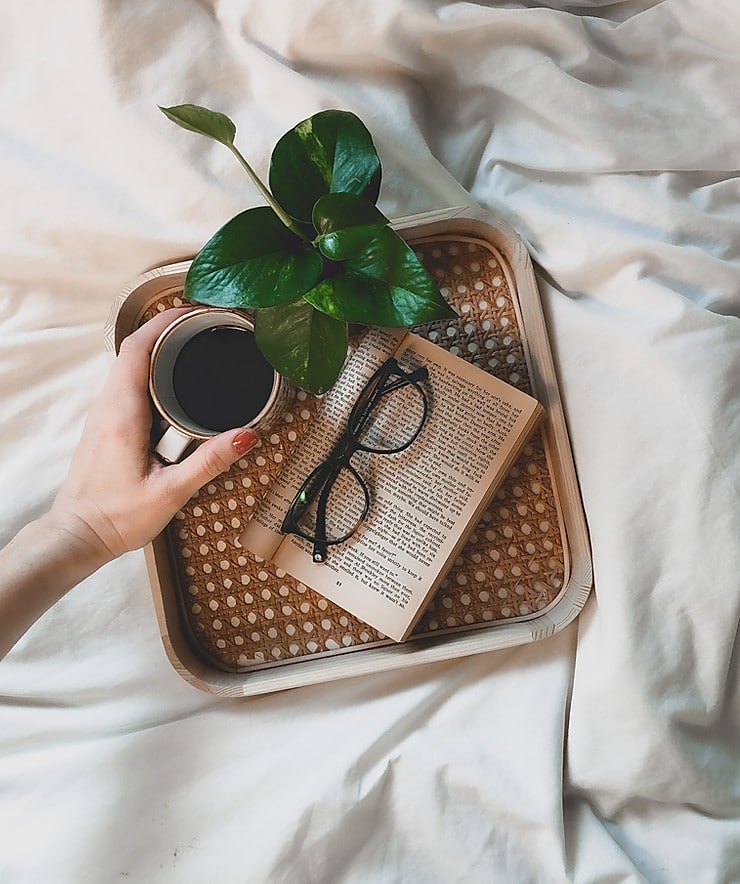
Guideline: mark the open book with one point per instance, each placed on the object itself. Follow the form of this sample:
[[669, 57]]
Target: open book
[[425, 500]]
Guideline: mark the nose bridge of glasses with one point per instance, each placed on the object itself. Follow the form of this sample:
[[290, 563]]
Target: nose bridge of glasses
[[327, 472], [344, 449]]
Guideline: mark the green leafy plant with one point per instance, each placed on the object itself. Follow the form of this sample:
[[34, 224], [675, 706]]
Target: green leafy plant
[[318, 256]]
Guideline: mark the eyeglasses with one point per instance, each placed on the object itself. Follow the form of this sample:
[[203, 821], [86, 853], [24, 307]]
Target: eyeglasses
[[334, 499]]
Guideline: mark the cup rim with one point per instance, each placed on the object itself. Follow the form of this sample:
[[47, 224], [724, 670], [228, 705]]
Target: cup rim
[[244, 319]]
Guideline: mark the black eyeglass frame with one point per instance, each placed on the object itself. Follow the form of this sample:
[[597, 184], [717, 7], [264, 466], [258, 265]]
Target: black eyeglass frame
[[317, 486]]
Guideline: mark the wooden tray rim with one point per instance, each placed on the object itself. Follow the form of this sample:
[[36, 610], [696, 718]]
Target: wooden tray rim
[[466, 221]]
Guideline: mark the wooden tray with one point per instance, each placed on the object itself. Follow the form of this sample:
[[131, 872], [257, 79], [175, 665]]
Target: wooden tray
[[232, 624]]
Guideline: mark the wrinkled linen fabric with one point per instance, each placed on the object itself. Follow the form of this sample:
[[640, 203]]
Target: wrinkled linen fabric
[[606, 134]]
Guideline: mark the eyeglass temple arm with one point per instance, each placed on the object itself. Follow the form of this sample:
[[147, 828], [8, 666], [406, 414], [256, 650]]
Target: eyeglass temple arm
[[321, 547], [418, 374]]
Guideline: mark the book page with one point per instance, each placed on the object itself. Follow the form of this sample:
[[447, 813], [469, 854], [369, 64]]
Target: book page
[[425, 500]]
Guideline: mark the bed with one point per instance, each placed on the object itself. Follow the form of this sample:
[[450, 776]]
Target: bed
[[606, 135]]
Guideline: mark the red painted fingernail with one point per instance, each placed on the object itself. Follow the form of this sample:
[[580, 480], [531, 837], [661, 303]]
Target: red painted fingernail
[[244, 440]]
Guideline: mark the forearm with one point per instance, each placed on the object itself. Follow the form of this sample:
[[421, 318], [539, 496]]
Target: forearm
[[39, 566], [116, 498]]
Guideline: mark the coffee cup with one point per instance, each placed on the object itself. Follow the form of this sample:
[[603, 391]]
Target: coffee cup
[[207, 375]]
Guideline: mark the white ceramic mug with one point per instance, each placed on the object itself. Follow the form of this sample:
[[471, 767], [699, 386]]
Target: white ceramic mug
[[182, 430]]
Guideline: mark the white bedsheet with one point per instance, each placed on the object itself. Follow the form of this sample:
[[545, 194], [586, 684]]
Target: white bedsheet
[[608, 135]]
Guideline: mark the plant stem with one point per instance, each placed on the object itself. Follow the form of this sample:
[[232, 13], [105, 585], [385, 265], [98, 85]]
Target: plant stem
[[268, 197]]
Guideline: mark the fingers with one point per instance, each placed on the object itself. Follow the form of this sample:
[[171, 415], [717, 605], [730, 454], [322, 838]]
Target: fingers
[[133, 357], [209, 460], [144, 337]]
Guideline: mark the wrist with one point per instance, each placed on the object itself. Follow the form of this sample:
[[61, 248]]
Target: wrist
[[40, 565], [79, 546]]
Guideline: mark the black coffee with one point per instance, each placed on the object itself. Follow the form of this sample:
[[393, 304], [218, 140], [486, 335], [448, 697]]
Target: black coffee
[[221, 379]]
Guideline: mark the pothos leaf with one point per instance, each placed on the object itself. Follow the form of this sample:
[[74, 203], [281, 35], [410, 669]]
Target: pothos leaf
[[252, 261], [358, 270], [330, 152], [382, 284], [307, 347], [346, 224], [206, 122]]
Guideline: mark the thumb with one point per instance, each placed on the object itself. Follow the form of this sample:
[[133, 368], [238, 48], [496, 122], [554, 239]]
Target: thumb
[[210, 459]]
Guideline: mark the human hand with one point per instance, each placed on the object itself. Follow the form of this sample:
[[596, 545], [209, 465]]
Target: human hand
[[118, 496]]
